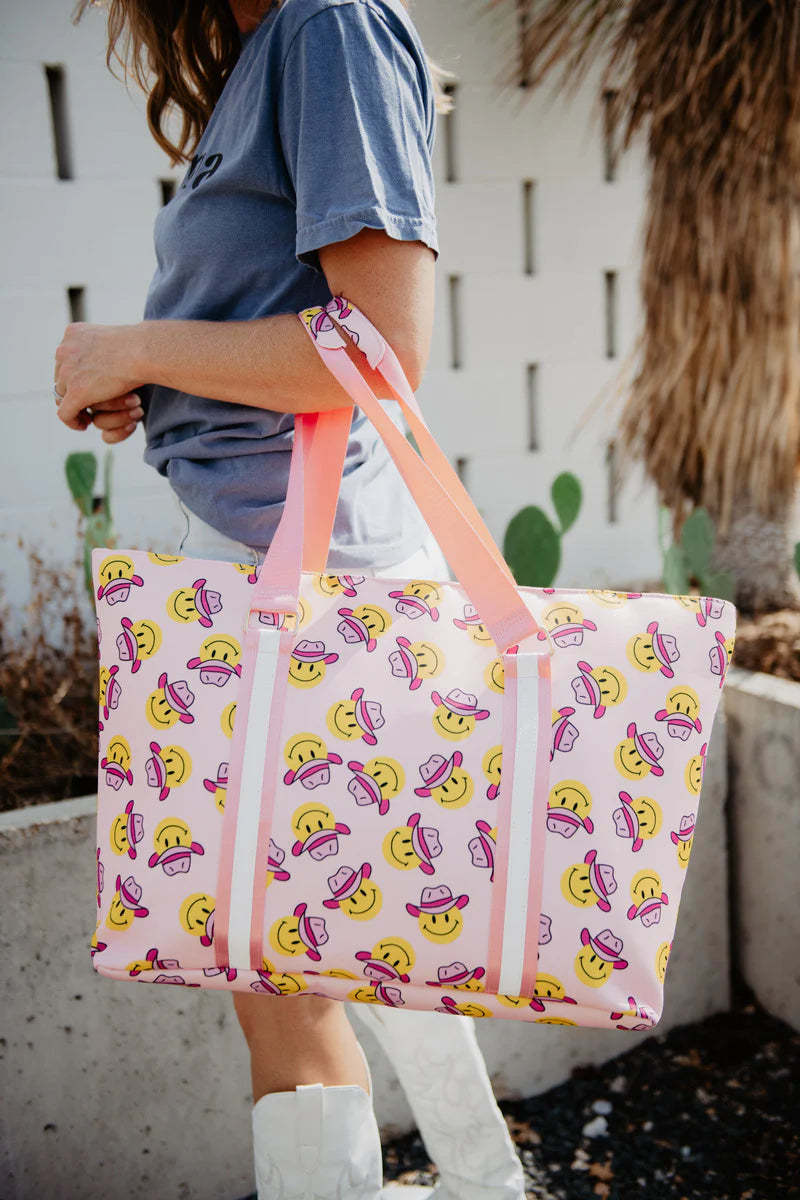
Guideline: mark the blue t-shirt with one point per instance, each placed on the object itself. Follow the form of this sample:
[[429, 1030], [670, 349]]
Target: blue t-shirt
[[326, 125]]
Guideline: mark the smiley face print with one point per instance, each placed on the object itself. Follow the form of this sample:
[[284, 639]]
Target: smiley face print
[[456, 713], [168, 767], [197, 916], [138, 641], [219, 659], [356, 718], [446, 781], [638, 755], [474, 626], [197, 603], [126, 905], [439, 914], [653, 651], [376, 782], [308, 663], [354, 893], [363, 625], [117, 577], [589, 883], [413, 845], [681, 713], [637, 818], [568, 808], [173, 847], [416, 661], [391, 958], [299, 934], [169, 703], [598, 957], [599, 687]]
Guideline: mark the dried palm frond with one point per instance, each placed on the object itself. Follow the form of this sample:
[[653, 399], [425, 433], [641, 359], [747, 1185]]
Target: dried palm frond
[[714, 408]]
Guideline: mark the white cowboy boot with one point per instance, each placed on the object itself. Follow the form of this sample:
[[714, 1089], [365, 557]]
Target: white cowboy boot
[[317, 1143], [443, 1074]]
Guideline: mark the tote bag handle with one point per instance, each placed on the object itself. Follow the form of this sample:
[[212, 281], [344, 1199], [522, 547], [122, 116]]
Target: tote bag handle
[[489, 586], [326, 445]]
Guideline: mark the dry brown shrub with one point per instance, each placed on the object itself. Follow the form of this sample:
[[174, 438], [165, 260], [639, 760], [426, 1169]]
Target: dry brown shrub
[[48, 693]]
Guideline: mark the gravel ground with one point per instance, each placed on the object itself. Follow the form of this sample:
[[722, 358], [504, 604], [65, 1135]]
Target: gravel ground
[[706, 1112]]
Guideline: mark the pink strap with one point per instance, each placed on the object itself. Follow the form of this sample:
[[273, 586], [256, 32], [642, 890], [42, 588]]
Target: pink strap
[[491, 589], [382, 358]]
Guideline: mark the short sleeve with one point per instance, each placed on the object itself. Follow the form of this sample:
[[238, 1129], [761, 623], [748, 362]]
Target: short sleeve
[[356, 120]]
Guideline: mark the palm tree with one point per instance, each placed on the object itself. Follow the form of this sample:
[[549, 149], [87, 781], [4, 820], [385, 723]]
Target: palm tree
[[713, 409]]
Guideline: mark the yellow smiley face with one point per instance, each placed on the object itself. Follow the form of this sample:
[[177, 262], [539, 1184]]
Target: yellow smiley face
[[514, 1001], [119, 834], [562, 613], [119, 752], [227, 718], [591, 969], [341, 721], [221, 648], [148, 637], [683, 700], [310, 818], [649, 814], [364, 904], [572, 795], [195, 912], [693, 775], [302, 748], [576, 886], [479, 634], [398, 849], [641, 653], [364, 995], [471, 1009], [304, 673], [494, 676], [692, 603], [554, 1021], [104, 677], [456, 791], [116, 566], [388, 774], [492, 764], [425, 590], [612, 683], [177, 765], [662, 958], [171, 832], [181, 606], [375, 618], [284, 936], [453, 726], [430, 659], [119, 917], [684, 850], [287, 983], [164, 560], [442, 926], [549, 988], [645, 885], [395, 951], [159, 711], [629, 762]]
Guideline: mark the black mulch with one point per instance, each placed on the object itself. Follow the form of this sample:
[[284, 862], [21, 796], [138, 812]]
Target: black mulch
[[706, 1112]]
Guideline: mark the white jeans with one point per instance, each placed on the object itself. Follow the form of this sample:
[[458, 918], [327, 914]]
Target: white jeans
[[203, 541]]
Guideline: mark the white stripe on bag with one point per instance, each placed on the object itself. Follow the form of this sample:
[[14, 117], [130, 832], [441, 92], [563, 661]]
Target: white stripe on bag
[[526, 743], [249, 814]]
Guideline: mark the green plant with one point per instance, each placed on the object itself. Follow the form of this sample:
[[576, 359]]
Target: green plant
[[689, 562], [532, 543], [98, 529], [797, 557]]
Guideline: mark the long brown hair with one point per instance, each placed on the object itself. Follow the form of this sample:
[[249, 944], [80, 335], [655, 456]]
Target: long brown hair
[[181, 53]]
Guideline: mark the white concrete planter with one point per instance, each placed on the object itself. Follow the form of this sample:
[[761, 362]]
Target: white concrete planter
[[115, 1092], [764, 763]]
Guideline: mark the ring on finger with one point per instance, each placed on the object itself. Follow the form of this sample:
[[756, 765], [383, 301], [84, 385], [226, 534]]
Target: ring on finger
[[57, 394]]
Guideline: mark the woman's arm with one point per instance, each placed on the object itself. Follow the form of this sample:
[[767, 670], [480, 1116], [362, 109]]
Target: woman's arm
[[267, 363]]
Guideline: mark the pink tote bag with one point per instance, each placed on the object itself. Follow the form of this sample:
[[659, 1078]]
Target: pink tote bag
[[468, 796]]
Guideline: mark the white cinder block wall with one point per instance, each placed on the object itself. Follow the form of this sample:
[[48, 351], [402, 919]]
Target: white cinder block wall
[[517, 298]]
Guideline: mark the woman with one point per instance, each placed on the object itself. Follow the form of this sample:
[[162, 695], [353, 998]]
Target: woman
[[307, 129]]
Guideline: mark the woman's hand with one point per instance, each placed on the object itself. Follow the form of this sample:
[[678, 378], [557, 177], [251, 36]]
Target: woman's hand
[[94, 380]]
